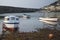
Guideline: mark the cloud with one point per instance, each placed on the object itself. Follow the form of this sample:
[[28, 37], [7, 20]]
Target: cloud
[[26, 3]]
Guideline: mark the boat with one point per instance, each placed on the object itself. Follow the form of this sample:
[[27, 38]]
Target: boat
[[25, 16], [10, 23], [49, 20]]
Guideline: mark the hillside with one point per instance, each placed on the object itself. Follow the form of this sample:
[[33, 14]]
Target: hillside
[[54, 7], [8, 9]]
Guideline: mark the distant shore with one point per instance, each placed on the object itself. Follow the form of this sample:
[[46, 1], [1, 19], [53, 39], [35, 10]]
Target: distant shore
[[1, 17]]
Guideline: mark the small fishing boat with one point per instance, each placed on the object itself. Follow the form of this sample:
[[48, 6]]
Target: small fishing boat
[[49, 20], [25, 16], [10, 23]]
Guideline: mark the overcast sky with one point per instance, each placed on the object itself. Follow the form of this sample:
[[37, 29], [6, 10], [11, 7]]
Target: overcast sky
[[26, 3]]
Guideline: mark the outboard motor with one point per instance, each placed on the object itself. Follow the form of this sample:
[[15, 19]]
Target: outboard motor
[[11, 23]]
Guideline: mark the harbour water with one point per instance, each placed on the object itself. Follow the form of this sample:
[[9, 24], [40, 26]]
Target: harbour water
[[29, 25]]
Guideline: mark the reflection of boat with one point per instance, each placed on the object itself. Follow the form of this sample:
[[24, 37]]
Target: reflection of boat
[[49, 20], [25, 16], [10, 23]]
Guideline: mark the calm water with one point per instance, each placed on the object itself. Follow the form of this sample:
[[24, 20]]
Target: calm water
[[28, 25]]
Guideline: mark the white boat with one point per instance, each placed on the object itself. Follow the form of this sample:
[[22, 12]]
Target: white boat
[[10, 23], [25, 16], [49, 20]]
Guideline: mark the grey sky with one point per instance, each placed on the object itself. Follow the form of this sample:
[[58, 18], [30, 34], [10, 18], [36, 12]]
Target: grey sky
[[26, 3]]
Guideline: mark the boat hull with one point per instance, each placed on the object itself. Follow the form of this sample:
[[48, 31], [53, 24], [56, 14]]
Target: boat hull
[[49, 20], [10, 27]]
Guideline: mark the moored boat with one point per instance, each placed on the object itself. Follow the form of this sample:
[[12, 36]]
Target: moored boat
[[10, 23], [49, 20]]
